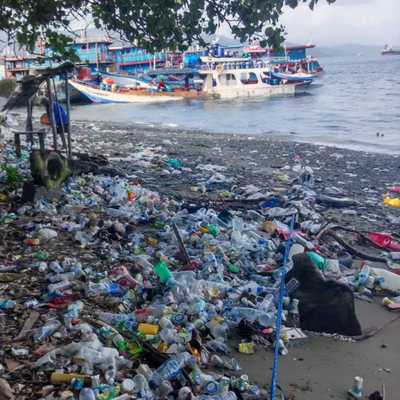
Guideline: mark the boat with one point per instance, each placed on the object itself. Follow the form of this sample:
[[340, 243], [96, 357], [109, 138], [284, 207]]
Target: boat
[[129, 95], [127, 80], [295, 77], [241, 77], [389, 51]]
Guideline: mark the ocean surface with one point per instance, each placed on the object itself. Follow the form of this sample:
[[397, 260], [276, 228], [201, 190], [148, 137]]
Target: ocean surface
[[356, 97]]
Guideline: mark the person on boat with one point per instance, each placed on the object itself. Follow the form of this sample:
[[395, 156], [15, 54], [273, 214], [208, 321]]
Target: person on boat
[[187, 86], [161, 86]]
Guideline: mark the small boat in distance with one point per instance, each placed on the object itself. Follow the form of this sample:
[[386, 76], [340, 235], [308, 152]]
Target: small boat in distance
[[389, 51]]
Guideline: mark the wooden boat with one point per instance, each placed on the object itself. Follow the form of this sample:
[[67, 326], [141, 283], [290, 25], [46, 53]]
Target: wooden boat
[[129, 95]]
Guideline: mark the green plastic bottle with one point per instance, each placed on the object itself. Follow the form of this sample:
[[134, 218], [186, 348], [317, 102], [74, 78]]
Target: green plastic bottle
[[213, 229], [162, 271], [233, 268], [317, 260]]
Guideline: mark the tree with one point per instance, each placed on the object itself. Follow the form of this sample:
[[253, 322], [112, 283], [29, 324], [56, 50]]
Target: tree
[[152, 24]]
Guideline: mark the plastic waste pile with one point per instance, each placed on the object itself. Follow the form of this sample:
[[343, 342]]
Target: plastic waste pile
[[126, 312]]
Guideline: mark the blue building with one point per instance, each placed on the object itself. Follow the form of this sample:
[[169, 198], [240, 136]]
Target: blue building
[[93, 52], [131, 59]]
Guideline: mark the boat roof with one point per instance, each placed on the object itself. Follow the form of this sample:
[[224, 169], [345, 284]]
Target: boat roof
[[171, 71], [208, 59], [259, 49]]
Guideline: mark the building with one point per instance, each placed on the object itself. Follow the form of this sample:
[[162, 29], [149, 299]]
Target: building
[[93, 52], [15, 67], [131, 59]]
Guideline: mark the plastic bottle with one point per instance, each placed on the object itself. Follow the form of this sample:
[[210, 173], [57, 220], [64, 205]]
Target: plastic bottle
[[267, 303], [73, 312], [59, 286], [67, 276], [223, 396], [126, 321], [56, 267], [363, 275], [87, 394], [46, 330], [104, 288], [170, 369], [162, 271], [6, 304]]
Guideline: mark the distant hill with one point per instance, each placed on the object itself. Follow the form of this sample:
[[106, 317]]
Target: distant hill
[[345, 50]]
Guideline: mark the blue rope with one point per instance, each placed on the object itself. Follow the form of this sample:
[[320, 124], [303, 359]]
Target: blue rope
[[280, 309]]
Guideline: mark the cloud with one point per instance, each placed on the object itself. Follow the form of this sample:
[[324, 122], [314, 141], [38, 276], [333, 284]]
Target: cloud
[[373, 22]]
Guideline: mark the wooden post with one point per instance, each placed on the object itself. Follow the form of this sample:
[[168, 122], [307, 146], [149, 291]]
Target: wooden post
[[28, 124], [62, 130], [42, 148], [67, 99], [52, 118], [17, 141]]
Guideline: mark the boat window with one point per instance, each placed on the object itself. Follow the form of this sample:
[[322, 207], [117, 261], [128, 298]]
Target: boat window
[[248, 78], [228, 79]]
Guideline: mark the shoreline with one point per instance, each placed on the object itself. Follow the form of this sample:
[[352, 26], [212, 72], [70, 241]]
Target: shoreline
[[364, 176], [318, 140]]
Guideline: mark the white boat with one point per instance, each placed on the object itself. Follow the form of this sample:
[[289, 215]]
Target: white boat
[[238, 77], [97, 95]]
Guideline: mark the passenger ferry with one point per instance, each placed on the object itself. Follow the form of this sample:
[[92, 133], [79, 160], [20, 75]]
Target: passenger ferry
[[240, 77]]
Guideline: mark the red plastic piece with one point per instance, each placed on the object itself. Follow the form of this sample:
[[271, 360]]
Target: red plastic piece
[[384, 241]]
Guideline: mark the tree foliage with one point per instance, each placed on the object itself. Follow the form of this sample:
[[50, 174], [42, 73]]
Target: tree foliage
[[152, 24]]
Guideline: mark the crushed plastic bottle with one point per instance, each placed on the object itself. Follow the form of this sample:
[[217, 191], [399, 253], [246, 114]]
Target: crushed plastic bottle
[[46, 330], [6, 304]]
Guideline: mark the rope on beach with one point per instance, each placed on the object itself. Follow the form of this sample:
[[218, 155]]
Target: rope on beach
[[280, 309]]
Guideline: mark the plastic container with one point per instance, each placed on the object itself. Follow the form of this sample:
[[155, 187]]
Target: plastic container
[[148, 329], [387, 279], [162, 271], [392, 202], [60, 378]]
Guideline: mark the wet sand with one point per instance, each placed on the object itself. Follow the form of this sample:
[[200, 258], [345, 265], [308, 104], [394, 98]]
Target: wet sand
[[323, 368]]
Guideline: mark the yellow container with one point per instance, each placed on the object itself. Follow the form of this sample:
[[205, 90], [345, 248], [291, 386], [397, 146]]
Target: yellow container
[[392, 202], [386, 301], [59, 378], [148, 329], [246, 348]]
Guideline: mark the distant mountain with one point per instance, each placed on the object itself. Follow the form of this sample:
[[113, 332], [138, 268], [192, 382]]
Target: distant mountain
[[345, 50]]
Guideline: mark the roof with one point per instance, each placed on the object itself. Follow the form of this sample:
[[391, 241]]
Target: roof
[[172, 71], [113, 48], [100, 39], [259, 49]]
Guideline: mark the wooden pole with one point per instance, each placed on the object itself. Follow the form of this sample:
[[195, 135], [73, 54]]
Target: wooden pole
[[67, 100], [52, 118]]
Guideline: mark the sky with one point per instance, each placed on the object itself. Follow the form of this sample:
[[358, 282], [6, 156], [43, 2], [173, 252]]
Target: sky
[[368, 22]]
